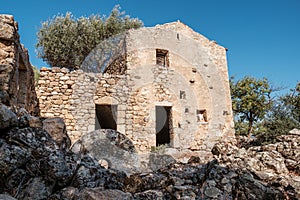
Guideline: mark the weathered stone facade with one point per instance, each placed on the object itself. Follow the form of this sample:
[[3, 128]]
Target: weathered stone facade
[[171, 80], [16, 74]]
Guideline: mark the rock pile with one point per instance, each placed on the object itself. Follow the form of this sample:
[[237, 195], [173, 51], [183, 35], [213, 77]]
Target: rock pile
[[34, 166], [278, 164]]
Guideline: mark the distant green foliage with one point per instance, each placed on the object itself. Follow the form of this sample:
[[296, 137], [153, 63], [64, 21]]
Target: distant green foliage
[[283, 116], [292, 102], [250, 101], [65, 41], [36, 74]]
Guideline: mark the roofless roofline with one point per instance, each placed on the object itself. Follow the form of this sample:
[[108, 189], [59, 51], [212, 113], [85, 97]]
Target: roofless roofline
[[183, 28]]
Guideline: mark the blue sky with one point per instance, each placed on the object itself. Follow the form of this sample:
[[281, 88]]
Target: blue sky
[[263, 36]]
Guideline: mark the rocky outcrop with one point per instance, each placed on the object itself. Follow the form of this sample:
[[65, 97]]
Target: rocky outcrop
[[196, 181], [277, 164], [113, 147], [34, 166], [56, 128], [16, 73]]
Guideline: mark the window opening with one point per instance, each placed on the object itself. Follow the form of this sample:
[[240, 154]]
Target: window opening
[[162, 57]]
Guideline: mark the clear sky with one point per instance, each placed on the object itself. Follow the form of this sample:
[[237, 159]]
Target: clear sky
[[262, 36]]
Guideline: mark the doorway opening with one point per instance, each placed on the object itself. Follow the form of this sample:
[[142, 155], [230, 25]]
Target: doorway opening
[[163, 124], [106, 116]]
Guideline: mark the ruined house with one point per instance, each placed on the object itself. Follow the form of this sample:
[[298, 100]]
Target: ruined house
[[163, 85]]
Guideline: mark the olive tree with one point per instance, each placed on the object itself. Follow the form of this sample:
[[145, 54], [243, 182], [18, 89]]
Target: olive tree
[[251, 100], [65, 41]]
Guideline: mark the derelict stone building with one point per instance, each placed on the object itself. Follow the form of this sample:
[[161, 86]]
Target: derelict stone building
[[161, 85]]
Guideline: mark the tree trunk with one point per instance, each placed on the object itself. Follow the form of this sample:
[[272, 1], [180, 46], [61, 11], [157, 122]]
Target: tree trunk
[[250, 129]]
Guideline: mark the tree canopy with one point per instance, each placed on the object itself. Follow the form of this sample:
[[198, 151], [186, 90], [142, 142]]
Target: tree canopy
[[256, 113], [65, 41], [250, 101]]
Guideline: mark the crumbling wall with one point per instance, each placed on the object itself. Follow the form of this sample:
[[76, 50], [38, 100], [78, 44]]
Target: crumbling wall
[[72, 95], [173, 68], [16, 74], [200, 75]]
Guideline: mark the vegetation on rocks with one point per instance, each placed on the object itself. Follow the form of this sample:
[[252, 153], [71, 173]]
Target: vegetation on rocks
[[65, 41]]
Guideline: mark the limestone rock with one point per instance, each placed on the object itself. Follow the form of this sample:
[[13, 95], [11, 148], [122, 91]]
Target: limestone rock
[[16, 73], [36, 188], [6, 197], [277, 164], [157, 161], [7, 31], [57, 130], [7, 117], [95, 194], [109, 145]]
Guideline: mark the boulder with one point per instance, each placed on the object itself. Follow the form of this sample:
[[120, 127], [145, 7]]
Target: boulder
[[6, 197], [111, 146], [7, 118], [57, 130]]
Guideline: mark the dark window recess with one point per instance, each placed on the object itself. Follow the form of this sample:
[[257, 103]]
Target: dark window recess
[[201, 115], [182, 95], [164, 125], [186, 110], [162, 57], [106, 116]]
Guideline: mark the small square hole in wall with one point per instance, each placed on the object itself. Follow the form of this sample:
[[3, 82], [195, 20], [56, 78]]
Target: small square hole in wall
[[162, 57], [201, 115], [182, 95]]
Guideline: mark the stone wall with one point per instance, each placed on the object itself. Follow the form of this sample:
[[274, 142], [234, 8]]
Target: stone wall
[[16, 74], [73, 96], [192, 83]]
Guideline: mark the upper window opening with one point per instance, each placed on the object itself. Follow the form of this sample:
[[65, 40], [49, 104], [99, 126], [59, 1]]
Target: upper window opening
[[162, 57]]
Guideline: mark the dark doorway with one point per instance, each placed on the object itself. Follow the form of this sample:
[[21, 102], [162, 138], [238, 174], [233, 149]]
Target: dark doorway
[[106, 116], [163, 124]]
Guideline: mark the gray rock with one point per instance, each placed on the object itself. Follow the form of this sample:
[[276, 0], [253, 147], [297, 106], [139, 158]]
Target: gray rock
[[99, 193], [212, 192], [7, 117], [11, 157], [36, 189], [7, 31], [57, 130], [112, 146], [6, 197], [149, 194], [157, 161]]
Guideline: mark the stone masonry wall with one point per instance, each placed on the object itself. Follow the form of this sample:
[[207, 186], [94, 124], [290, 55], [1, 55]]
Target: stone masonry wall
[[17, 87], [73, 95], [193, 85]]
